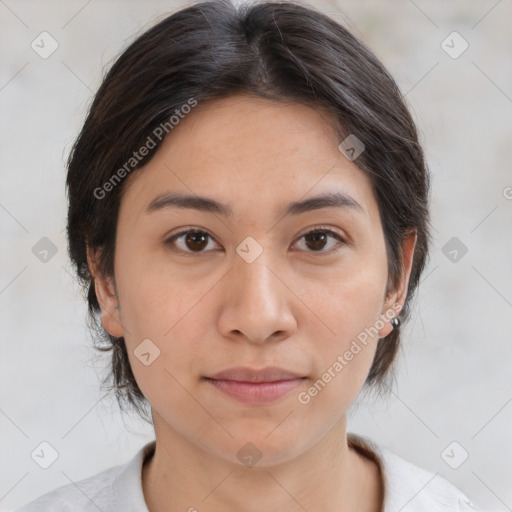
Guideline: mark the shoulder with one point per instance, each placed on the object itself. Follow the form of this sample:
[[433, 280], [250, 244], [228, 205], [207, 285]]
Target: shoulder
[[412, 488], [118, 488], [87, 494], [409, 488]]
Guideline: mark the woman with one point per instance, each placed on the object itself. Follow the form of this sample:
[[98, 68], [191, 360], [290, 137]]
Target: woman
[[248, 212]]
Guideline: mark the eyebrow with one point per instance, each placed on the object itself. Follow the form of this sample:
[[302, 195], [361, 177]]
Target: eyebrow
[[205, 204]]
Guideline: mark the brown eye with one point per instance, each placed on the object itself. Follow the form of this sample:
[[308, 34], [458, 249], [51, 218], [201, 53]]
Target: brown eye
[[318, 239], [191, 241], [196, 241]]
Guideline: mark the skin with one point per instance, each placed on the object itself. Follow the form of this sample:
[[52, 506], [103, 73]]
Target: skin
[[295, 306]]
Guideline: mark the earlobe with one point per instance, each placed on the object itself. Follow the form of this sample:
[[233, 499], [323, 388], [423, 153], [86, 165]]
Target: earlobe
[[107, 297]]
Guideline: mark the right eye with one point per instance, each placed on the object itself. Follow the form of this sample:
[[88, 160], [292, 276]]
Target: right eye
[[189, 242]]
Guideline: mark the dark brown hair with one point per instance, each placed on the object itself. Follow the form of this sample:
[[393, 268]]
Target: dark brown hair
[[281, 51]]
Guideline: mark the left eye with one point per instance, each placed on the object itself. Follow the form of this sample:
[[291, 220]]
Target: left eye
[[194, 242], [317, 240]]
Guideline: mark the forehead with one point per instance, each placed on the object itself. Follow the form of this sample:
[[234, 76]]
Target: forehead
[[250, 151]]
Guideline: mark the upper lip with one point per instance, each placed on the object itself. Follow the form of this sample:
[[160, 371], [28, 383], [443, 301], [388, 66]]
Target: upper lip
[[244, 374]]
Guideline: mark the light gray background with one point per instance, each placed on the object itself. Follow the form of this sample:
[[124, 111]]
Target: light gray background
[[454, 379]]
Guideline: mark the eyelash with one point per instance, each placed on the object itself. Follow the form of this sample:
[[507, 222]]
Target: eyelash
[[330, 232]]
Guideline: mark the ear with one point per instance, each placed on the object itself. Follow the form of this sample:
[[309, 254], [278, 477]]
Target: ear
[[107, 296], [396, 298]]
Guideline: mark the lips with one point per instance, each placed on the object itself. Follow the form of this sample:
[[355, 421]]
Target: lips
[[256, 387], [244, 374]]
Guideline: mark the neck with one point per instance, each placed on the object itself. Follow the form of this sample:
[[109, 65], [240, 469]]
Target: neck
[[329, 476]]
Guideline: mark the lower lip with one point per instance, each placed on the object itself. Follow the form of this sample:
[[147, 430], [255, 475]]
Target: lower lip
[[256, 392]]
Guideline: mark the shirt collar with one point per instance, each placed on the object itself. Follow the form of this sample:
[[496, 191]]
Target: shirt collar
[[404, 483]]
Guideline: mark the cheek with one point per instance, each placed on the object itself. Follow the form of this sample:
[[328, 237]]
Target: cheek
[[343, 360], [350, 306], [171, 310], [349, 302], [156, 296]]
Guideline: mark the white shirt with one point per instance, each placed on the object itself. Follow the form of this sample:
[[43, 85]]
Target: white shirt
[[407, 488]]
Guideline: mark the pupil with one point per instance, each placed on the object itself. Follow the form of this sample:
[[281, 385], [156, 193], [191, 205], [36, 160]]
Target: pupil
[[318, 240], [196, 241]]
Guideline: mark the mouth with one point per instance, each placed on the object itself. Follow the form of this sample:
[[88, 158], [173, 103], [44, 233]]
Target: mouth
[[256, 386]]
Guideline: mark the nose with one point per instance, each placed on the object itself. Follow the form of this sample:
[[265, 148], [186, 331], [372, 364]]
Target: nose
[[257, 304]]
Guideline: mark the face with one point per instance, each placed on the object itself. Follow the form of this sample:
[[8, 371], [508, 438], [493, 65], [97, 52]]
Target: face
[[256, 287]]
